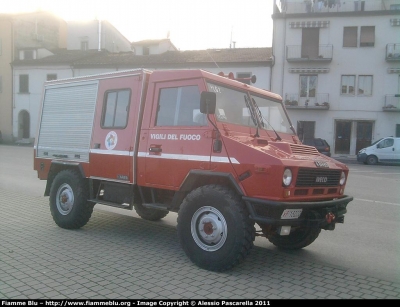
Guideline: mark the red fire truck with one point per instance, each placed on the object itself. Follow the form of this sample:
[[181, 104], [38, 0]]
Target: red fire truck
[[220, 153]]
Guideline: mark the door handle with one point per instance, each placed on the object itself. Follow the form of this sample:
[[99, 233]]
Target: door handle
[[155, 149]]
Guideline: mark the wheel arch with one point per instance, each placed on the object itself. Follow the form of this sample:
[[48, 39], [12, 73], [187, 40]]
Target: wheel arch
[[58, 166], [197, 178]]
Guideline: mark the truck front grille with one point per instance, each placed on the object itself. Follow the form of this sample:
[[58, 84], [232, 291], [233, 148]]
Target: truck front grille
[[308, 177]]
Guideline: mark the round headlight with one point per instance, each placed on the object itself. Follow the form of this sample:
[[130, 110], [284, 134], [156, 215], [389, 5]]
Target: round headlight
[[287, 177], [342, 178]]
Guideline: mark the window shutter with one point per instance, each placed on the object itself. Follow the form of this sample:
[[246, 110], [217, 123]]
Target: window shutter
[[367, 36], [350, 37]]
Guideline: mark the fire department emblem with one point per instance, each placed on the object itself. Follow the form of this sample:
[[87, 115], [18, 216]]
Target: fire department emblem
[[111, 140]]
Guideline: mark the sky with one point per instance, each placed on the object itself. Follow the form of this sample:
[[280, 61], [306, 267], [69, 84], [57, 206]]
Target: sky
[[190, 24]]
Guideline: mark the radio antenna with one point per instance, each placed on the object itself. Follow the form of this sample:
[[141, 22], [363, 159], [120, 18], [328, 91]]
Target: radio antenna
[[212, 58]]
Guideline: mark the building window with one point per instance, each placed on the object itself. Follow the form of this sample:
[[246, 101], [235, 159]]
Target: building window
[[146, 50], [359, 5], [308, 85], [348, 84], [365, 85], [24, 83], [367, 36], [28, 54], [115, 110], [350, 37], [84, 45], [51, 77], [245, 75]]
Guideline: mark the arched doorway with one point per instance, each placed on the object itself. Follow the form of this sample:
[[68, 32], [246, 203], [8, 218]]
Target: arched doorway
[[24, 124]]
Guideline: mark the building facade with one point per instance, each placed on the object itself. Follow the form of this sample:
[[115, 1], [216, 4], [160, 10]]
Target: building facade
[[24, 36], [37, 35], [337, 66]]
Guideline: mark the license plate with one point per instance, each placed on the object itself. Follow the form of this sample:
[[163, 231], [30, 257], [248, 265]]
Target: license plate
[[289, 214]]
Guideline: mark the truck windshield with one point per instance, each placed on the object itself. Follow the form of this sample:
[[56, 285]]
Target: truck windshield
[[232, 108]]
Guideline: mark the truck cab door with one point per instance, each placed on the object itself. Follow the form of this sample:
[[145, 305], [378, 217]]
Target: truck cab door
[[115, 125], [179, 136]]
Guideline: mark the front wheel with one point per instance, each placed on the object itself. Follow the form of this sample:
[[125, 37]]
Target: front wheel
[[372, 160], [68, 200], [214, 228]]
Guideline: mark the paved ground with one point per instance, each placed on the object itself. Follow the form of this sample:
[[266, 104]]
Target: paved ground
[[118, 256]]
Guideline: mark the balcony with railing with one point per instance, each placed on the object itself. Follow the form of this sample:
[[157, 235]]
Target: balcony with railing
[[331, 6], [319, 102], [392, 103], [392, 52], [299, 53]]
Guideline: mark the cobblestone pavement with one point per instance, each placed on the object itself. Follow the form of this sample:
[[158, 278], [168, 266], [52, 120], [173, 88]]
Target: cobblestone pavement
[[123, 257]]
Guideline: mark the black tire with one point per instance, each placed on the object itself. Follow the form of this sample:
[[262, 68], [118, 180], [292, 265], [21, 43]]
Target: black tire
[[372, 160], [297, 239], [69, 204], [149, 213], [214, 228]]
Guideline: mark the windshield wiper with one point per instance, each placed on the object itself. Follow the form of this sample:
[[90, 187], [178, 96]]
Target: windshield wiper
[[252, 114], [261, 117]]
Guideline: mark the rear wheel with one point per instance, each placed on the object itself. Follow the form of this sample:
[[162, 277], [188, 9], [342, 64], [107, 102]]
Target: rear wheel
[[372, 160], [214, 228], [149, 213], [68, 200]]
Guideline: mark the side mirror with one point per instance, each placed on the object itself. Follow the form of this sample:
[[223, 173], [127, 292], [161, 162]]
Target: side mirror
[[217, 146], [208, 100]]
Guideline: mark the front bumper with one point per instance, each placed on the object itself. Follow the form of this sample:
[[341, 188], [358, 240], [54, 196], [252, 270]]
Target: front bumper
[[362, 157], [268, 212]]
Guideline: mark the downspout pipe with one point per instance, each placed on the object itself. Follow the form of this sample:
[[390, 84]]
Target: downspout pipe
[[99, 35]]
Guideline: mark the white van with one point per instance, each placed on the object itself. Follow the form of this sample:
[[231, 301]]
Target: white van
[[383, 150]]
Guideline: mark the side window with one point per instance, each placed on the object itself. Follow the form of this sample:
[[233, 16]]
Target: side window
[[115, 109], [388, 143], [179, 106]]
